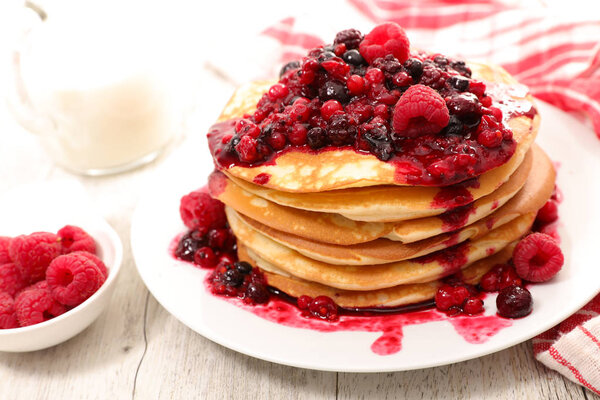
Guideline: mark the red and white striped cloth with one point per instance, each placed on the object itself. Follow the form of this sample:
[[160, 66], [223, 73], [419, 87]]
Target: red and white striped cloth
[[556, 54]]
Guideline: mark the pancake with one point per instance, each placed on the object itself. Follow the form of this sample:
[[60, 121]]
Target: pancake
[[389, 297], [300, 171], [382, 251], [336, 229], [529, 200], [370, 277]]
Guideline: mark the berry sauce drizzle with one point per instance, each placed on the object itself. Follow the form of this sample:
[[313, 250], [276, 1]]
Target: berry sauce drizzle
[[390, 322]]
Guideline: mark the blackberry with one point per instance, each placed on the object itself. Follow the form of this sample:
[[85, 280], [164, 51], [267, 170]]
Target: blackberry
[[258, 292], [316, 138], [340, 131], [441, 61], [379, 142], [350, 37], [433, 77], [388, 64]]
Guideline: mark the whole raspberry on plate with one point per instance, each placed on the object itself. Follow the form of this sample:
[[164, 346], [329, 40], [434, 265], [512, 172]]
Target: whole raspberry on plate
[[33, 306], [8, 317], [33, 253], [11, 280], [200, 211], [73, 238], [4, 244], [420, 111], [387, 38], [73, 278], [538, 257]]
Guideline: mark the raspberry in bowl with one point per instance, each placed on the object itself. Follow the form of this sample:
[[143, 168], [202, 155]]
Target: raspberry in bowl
[[53, 284]]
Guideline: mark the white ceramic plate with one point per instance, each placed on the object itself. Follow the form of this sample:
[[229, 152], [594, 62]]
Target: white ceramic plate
[[178, 286], [48, 207]]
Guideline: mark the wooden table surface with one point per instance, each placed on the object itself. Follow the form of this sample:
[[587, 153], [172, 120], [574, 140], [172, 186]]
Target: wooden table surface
[[136, 349]]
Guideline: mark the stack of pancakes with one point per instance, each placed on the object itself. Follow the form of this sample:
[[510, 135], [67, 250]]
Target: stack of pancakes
[[337, 223]]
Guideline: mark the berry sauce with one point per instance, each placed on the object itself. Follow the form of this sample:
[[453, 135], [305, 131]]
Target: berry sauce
[[422, 113], [390, 323], [451, 258]]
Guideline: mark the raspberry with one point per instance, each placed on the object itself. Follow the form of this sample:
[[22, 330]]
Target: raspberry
[[420, 111], [548, 213], [350, 37], [8, 317], [4, 244], [200, 211], [11, 280], [33, 306], [537, 257], [33, 253], [93, 258], [387, 38], [73, 278], [514, 302], [73, 238]]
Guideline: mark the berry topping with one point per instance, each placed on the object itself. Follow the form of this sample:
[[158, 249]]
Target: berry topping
[[387, 38], [4, 244], [499, 277], [548, 213], [537, 257], [473, 306], [33, 253], [188, 244], [205, 257], [420, 111], [514, 302], [448, 296], [34, 305], [8, 317], [200, 211], [73, 278], [11, 280], [239, 279], [73, 238], [289, 67], [350, 37]]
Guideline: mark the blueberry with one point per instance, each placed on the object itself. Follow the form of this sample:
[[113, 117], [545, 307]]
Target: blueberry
[[334, 90], [326, 55], [289, 66], [379, 142], [459, 83], [353, 57], [454, 127], [414, 67], [243, 267], [188, 244], [233, 277]]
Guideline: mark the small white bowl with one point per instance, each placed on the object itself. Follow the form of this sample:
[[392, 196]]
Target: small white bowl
[[49, 215]]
